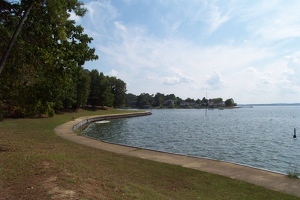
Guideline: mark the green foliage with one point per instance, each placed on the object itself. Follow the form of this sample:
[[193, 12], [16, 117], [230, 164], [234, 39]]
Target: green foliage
[[230, 102], [83, 87], [293, 173], [59, 11], [118, 90], [145, 100], [44, 70], [158, 99], [106, 97], [94, 90], [130, 100], [106, 91]]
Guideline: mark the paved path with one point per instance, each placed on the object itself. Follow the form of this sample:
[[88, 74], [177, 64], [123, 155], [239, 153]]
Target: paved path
[[270, 180]]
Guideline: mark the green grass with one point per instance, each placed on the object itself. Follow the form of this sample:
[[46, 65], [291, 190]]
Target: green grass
[[34, 162], [293, 173]]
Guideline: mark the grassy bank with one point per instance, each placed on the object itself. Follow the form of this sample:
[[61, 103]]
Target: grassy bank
[[37, 164]]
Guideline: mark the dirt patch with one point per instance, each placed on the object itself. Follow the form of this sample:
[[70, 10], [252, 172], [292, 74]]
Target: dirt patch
[[56, 192], [50, 185], [44, 184]]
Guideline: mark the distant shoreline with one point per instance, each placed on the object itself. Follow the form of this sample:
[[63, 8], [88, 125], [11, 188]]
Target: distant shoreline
[[271, 104]]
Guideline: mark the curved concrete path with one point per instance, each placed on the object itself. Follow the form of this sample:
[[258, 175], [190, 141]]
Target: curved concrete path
[[270, 180]]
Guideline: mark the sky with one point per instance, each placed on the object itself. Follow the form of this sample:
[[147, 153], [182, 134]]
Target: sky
[[245, 50]]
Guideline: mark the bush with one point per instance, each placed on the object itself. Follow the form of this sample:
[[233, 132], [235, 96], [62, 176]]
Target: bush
[[293, 173]]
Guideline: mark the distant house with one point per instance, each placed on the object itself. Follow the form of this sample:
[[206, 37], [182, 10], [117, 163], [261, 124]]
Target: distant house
[[184, 104], [194, 104], [169, 103], [213, 104], [222, 104]]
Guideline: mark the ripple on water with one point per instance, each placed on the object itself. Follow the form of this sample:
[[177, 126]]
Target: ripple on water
[[260, 137]]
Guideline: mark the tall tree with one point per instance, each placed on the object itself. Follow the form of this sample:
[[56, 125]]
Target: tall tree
[[130, 100], [118, 89], [144, 100], [106, 97], [43, 70], [58, 10], [83, 87], [230, 102], [15, 34], [95, 92], [100, 90], [158, 99]]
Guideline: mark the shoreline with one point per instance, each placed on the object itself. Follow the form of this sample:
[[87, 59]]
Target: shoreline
[[267, 179]]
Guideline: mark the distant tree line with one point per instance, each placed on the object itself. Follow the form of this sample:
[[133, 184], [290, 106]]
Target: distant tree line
[[145, 100]]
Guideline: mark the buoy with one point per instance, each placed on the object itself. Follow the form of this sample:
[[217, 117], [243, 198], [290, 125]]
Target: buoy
[[295, 136]]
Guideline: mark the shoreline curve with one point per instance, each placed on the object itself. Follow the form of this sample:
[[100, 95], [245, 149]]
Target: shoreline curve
[[264, 178]]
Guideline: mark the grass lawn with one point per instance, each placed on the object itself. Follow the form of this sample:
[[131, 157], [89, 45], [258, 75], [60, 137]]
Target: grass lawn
[[37, 164]]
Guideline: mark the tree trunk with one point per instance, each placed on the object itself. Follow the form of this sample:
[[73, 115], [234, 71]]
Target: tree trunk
[[14, 37]]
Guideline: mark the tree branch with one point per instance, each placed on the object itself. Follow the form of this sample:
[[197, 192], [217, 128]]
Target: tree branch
[[14, 37]]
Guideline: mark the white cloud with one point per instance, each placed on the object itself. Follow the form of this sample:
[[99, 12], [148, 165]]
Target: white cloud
[[293, 69], [98, 19], [256, 61], [171, 26], [74, 17], [214, 82], [113, 73], [184, 78], [136, 52], [120, 26], [171, 81], [269, 22], [178, 77], [216, 18]]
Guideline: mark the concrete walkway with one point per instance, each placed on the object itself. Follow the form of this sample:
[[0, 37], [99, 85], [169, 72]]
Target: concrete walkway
[[270, 180]]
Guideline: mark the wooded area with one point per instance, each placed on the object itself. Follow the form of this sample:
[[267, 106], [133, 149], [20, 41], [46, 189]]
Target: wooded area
[[44, 69], [159, 100]]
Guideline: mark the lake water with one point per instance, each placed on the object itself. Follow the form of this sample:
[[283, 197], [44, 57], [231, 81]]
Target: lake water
[[260, 137]]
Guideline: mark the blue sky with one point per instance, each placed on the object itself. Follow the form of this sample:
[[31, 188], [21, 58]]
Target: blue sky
[[245, 50]]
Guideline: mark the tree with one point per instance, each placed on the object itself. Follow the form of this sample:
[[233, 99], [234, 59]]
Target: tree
[[118, 89], [95, 92], [100, 90], [204, 101], [158, 99], [177, 101], [106, 97], [83, 87], [144, 100], [170, 97], [15, 34], [42, 73], [198, 101], [189, 100], [230, 102], [131, 100], [216, 102], [58, 10]]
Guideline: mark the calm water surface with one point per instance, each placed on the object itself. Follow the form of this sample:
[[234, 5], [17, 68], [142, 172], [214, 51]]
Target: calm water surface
[[260, 137]]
